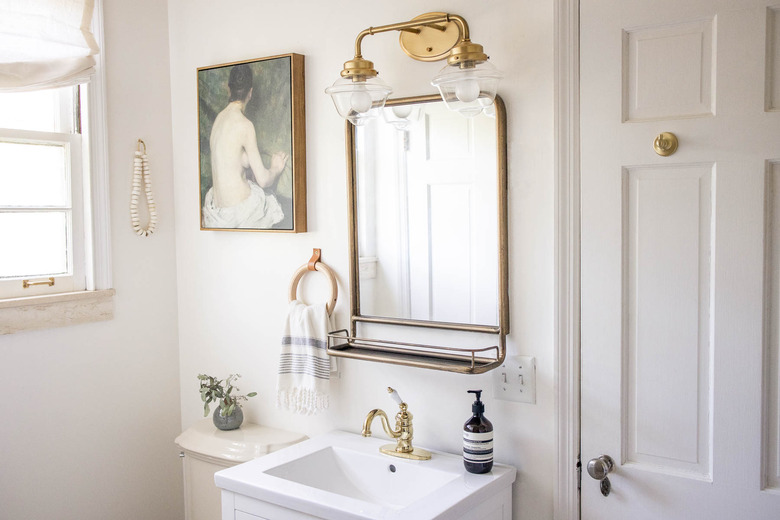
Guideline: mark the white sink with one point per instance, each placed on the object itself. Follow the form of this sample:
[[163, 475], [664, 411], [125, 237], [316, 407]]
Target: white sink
[[368, 477], [343, 476]]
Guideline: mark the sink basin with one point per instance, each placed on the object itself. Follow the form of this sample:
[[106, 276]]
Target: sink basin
[[343, 476], [363, 476]]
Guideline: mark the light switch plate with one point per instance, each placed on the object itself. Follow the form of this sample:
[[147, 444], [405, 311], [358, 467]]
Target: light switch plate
[[515, 380]]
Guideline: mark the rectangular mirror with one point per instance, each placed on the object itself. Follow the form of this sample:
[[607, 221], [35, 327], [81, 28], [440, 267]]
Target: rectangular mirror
[[426, 205], [428, 231]]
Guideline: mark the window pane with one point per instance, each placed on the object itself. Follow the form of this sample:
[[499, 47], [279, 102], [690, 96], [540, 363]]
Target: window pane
[[34, 244], [33, 175], [40, 110]]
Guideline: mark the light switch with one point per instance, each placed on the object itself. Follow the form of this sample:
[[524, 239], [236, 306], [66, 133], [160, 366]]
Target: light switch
[[515, 380]]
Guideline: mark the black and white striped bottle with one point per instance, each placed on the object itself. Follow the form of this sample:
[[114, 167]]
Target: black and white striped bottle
[[478, 439]]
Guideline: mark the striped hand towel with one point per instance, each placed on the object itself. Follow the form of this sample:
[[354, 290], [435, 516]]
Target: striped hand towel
[[304, 365]]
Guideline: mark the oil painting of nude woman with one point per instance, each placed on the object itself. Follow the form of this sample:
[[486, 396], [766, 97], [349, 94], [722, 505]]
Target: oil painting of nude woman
[[252, 145]]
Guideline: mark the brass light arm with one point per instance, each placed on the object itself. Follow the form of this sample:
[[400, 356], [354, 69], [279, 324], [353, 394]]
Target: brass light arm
[[412, 24], [461, 22]]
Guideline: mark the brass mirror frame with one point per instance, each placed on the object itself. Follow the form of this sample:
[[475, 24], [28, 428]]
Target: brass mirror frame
[[346, 343]]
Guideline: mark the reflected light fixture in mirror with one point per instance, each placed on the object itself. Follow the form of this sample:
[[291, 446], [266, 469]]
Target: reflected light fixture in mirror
[[467, 84], [402, 116]]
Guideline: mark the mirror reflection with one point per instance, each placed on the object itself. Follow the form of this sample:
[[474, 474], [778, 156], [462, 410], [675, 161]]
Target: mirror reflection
[[427, 226]]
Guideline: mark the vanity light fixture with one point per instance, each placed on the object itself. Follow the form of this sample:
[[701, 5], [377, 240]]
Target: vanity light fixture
[[467, 83]]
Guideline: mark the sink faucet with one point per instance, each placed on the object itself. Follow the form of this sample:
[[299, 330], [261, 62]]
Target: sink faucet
[[403, 431]]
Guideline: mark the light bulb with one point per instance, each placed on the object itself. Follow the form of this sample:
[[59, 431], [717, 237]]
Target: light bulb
[[467, 90], [402, 111], [360, 101]]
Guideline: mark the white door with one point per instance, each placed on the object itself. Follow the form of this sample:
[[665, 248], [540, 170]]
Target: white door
[[680, 259], [452, 218]]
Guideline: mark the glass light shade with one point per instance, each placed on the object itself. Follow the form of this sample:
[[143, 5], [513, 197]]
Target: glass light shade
[[402, 116], [468, 90], [356, 101]]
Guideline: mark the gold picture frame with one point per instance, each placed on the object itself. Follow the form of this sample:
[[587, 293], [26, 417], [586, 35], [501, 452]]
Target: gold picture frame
[[252, 145]]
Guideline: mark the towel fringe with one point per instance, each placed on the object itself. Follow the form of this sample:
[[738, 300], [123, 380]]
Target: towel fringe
[[303, 381], [302, 400]]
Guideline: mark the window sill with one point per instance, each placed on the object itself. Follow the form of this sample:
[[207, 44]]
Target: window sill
[[55, 310]]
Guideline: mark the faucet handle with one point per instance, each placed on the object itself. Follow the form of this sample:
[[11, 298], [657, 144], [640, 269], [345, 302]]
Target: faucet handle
[[395, 396]]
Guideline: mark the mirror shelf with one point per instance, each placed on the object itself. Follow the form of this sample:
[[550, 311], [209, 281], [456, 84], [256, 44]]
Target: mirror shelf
[[494, 258], [462, 360]]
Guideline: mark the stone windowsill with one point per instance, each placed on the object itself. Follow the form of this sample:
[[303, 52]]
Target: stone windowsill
[[55, 310]]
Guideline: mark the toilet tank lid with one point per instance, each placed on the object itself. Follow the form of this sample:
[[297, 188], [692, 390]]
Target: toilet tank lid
[[246, 443]]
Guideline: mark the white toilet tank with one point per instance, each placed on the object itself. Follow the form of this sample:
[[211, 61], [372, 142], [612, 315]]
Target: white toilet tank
[[206, 450]]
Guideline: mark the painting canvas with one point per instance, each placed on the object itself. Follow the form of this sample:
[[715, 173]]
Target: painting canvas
[[252, 145]]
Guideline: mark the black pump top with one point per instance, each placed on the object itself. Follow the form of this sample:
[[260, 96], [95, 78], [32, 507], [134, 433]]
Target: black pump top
[[478, 407]]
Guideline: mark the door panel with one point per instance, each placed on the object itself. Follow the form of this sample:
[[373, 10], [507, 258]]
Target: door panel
[[679, 379], [668, 71], [773, 59], [772, 358], [668, 221]]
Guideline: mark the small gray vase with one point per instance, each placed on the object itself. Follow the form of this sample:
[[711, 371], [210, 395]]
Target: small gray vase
[[230, 422]]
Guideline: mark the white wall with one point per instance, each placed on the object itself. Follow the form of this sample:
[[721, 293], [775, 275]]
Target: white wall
[[232, 287], [89, 412]]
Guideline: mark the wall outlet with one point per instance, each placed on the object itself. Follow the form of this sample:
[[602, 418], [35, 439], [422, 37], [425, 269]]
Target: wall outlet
[[515, 380]]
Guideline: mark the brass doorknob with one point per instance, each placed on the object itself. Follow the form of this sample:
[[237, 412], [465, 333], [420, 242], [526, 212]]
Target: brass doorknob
[[665, 144]]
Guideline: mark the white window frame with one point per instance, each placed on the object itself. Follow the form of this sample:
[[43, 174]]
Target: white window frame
[[96, 302], [74, 277]]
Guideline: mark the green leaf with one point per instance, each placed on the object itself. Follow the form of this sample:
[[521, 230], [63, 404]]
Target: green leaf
[[251, 394], [206, 410]]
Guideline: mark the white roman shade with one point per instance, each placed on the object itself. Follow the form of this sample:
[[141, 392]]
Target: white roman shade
[[45, 43]]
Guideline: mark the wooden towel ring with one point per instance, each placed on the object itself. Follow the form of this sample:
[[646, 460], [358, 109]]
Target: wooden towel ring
[[316, 265]]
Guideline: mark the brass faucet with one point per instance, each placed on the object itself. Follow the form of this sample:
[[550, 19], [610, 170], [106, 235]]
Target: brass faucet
[[403, 431]]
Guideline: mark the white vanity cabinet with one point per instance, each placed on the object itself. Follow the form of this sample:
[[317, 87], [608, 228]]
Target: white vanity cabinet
[[343, 476], [239, 507]]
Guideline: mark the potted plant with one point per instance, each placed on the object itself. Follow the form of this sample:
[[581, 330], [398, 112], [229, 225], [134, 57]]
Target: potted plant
[[229, 415]]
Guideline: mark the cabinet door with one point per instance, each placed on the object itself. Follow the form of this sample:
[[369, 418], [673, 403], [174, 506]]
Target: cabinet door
[[240, 515]]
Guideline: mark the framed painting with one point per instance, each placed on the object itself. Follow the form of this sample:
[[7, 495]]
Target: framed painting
[[252, 145]]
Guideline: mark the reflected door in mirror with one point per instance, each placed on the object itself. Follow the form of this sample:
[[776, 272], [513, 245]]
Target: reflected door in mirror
[[427, 229]]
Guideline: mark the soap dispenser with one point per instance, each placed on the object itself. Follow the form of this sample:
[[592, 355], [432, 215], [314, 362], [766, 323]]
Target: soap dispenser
[[478, 439]]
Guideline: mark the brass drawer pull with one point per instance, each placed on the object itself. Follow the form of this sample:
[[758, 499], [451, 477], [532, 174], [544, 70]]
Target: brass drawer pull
[[26, 284]]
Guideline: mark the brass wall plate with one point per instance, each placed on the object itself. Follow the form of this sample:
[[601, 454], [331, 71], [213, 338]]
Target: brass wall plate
[[430, 43]]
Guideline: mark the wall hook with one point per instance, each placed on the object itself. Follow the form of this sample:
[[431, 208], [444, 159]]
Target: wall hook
[[316, 256]]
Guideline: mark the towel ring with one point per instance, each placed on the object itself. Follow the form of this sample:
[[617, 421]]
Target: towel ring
[[315, 265]]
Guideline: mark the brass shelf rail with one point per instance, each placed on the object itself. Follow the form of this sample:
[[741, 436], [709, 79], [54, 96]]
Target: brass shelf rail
[[450, 359]]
